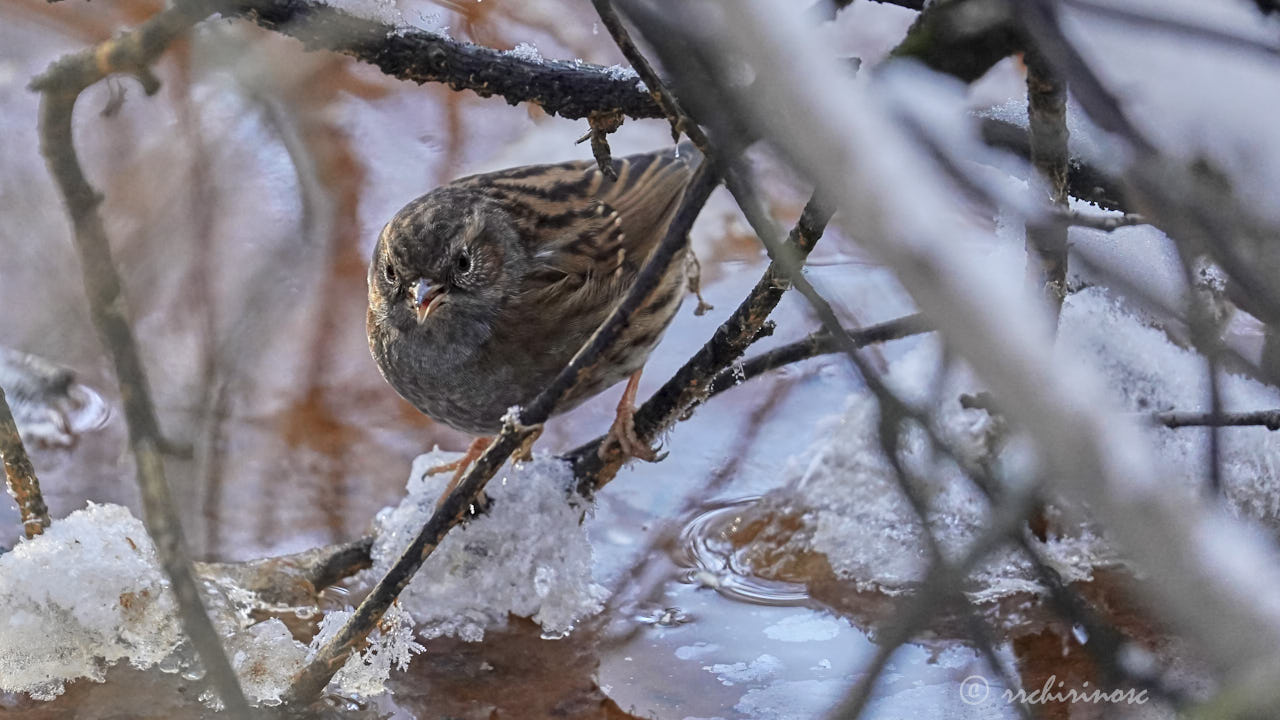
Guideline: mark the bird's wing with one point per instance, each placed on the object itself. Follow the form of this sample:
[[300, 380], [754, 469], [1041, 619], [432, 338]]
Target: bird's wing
[[586, 232]]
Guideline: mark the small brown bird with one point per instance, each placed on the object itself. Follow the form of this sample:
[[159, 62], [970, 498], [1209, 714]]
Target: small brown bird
[[482, 290]]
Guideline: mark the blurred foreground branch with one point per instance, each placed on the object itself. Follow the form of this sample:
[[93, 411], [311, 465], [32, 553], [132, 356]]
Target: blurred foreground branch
[[20, 475], [848, 141]]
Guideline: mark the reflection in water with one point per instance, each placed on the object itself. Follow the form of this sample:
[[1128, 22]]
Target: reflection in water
[[52, 408]]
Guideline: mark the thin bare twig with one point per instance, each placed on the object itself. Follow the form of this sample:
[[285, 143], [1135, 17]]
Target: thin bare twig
[[293, 580], [20, 475], [1047, 243], [1270, 419], [690, 385], [680, 121], [815, 345], [60, 87]]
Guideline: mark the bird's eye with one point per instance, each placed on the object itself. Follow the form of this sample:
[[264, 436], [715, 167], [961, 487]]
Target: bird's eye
[[464, 262], [390, 273]]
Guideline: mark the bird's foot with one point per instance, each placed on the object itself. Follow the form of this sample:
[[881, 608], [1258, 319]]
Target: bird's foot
[[459, 466], [623, 431]]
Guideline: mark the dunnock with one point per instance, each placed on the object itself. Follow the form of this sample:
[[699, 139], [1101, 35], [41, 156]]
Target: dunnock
[[482, 290]]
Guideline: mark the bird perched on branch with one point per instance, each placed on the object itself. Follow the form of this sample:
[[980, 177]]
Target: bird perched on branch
[[482, 290]]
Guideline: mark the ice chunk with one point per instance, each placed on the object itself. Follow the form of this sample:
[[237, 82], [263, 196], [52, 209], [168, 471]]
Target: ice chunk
[[528, 555], [87, 593], [266, 657], [804, 628], [763, 667], [793, 699]]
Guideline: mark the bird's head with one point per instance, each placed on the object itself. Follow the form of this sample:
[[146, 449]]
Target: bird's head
[[448, 257]]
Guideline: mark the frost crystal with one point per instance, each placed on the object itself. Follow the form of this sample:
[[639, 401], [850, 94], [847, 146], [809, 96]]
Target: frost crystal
[[391, 644], [525, 51], [85, 594], [528, 555]]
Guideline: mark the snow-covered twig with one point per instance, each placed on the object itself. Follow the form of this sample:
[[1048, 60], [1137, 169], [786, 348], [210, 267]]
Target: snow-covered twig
[[571, 90], [20, 475]]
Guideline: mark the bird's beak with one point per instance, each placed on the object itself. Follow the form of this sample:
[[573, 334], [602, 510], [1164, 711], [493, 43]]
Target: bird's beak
[[426, 298]]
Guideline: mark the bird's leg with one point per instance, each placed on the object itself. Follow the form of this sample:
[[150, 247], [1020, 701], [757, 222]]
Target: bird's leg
[[459, 466], [623, 431]]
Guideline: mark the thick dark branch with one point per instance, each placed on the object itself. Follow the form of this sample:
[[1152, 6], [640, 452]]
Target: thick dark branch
[[571, 90], [20, 475], [455, 507]]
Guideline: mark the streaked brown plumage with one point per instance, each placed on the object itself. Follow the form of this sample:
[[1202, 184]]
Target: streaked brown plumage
[[482, 290]]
